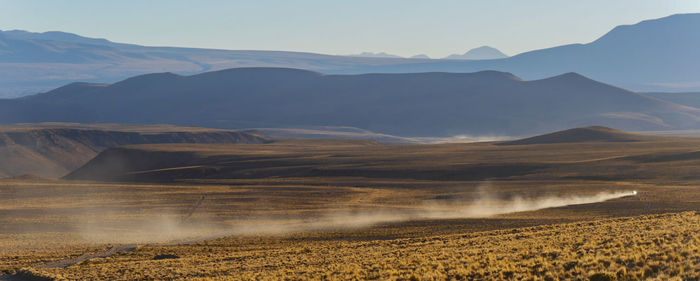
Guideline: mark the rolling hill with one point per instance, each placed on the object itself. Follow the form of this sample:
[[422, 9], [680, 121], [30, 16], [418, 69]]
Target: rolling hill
[[54, 149], [485, 103], [625, 57], [586, 134]]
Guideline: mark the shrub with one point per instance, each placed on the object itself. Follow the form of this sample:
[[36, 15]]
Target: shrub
[[602, 277]]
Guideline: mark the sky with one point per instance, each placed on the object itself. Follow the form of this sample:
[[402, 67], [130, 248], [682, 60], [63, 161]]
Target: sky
[[403, 27]]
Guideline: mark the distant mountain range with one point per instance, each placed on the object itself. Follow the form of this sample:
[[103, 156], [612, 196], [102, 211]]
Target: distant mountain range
[[481, 53], [653, 55], [376, 55], [487, 103], [36, 62]]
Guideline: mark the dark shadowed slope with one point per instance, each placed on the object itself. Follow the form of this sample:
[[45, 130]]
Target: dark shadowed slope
[[654, 55], [52, 150], [586, 134], [417, 104]]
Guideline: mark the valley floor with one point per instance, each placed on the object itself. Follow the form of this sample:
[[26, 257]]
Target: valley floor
[[277, 234], [325, 210]]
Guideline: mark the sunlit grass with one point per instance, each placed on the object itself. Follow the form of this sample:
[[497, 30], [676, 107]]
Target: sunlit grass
[[663, 247]]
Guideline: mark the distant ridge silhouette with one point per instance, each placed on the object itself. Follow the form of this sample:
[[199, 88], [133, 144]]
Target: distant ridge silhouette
[[481, 53], [435, 104]]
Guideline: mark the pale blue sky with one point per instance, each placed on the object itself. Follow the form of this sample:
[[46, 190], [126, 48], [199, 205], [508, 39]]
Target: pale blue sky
[[403, 27]]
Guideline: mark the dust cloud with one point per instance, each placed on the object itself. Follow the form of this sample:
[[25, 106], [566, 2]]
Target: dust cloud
[[172, 229], [487, 206], [452, 209]]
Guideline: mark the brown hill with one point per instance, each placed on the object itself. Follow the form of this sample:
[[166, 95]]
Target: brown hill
[[54, 149], [585, 134]]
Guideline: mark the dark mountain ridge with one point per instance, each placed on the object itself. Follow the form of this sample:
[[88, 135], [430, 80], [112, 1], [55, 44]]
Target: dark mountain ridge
[[412, 104]]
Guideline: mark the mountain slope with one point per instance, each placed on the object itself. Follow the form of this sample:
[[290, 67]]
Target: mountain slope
[[415, 104], [52, 150], [653, 55], [691, 99]]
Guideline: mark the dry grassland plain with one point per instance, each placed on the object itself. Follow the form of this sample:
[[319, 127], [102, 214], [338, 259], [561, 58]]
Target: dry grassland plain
[[338, 210]]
